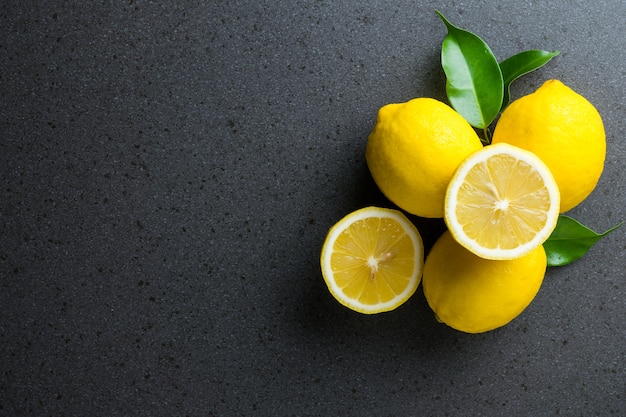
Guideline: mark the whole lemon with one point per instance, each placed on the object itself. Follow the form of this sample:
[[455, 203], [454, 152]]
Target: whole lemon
[[475, 295], [413, 151], [563, 129]]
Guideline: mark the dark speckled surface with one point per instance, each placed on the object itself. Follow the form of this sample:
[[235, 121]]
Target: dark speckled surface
[[168, 174]]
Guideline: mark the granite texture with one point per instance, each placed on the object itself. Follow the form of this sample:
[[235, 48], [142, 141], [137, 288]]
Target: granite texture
[[169, 172]]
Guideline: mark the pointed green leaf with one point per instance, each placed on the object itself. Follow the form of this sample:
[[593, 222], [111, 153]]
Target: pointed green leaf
[[474, 83], [520, 64], [570, 240]]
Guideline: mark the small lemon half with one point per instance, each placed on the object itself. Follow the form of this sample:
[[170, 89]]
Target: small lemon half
[[372, 260]]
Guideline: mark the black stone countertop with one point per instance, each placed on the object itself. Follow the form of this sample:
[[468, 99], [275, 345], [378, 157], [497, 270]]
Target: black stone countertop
[[168, 175]]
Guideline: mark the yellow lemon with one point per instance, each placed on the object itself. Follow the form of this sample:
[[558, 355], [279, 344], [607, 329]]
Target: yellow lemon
[[413, 151], [372, 260], [502, 202], [475, 295], [565, 130]]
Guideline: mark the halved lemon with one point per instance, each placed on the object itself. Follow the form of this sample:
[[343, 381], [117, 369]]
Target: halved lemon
[[502, 202], [372, 260]]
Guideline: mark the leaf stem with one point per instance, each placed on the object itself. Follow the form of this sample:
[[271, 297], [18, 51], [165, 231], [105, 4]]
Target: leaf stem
[[486, 137]]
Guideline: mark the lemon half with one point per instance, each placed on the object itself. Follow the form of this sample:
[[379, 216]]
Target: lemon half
[[502, 202], [372, 260]]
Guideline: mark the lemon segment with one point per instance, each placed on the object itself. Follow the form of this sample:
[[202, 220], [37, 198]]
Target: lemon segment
[[372, 260], [502, 202]]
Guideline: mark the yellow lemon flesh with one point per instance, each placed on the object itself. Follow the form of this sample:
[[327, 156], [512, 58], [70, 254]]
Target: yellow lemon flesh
[[475, 295], [372, 260], [565, 130], [502, 202], [413, 151]]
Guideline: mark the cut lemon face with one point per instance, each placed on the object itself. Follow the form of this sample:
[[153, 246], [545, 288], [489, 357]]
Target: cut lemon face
[[372, 260], [502, 202]]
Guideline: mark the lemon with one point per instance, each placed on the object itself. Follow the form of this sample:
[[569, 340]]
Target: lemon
[[502, 202], [565, 130], [475, 295], [413, 151], [372, 260]]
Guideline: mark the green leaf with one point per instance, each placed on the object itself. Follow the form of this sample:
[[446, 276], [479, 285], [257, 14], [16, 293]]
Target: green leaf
[[474, 82], [519, 64], [570, 240]]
